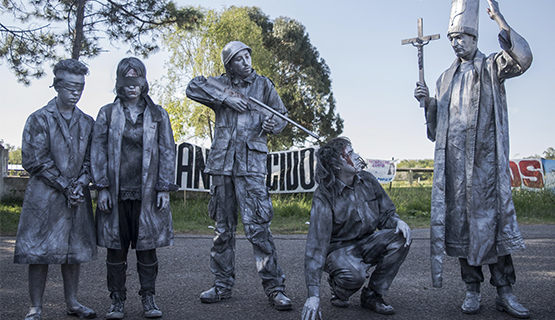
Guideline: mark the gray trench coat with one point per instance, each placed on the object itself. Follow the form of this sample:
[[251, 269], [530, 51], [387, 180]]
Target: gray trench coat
[[158, 174], [56, 154], [497, 234]]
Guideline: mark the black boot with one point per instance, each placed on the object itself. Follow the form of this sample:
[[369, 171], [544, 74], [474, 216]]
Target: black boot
[[116, 277], [147, 277]]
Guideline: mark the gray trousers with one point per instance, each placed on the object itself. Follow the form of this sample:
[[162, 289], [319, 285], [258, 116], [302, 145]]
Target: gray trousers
[[502, 272], [348, 266], [250, 195]]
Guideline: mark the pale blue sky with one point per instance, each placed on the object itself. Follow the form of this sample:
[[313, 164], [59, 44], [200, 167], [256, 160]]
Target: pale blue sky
[[373, 75]]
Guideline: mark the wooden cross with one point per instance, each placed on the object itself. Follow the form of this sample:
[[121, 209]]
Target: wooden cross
[[420, 42]]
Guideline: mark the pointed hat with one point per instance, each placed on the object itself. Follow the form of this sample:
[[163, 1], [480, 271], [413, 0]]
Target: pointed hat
[[464, 17]]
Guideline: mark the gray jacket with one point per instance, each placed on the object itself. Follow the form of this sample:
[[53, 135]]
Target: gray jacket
[[158, 174], [55, 155], [236, 135]]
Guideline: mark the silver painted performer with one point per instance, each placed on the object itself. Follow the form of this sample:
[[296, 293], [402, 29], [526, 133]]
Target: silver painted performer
[[473, 215], [56, 224], [237, 164], [348, 206], [133, 167]]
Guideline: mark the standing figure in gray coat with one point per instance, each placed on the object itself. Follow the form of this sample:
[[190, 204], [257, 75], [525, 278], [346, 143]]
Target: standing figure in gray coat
[[473, 215], [133, 167], [56, 224], [237, 164]]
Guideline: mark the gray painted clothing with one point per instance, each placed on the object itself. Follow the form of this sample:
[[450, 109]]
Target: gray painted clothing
[[237, 146], [473, 214], [56, 155], [250, 194], [131, 157], [157, 174], [237, 163], [345, 219]]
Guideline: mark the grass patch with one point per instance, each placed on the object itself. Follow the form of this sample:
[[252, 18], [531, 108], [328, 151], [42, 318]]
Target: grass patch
[[10, 208], [413, 204], [292, 211], [535, 207]]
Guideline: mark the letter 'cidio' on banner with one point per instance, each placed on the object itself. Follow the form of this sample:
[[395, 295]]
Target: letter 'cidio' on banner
[[289, 171]]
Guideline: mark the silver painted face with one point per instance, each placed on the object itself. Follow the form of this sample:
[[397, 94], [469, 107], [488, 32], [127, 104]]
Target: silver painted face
[[241, 63], [70, 88], [463, 44], [352, 162]]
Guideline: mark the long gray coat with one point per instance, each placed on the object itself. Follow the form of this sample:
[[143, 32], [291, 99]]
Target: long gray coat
[[55, 154], [158, 174], [497, 234]]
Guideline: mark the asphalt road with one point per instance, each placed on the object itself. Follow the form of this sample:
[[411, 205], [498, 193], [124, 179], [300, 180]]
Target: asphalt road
[[184, 274]]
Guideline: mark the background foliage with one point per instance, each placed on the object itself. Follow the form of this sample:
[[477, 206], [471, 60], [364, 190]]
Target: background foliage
[[51, 29], [281, 51]]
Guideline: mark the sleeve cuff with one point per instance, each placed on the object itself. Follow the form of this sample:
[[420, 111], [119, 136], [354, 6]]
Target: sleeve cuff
[[166, 186], [313, 291]]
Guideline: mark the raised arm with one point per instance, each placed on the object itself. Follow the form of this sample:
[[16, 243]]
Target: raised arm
[[495, 15]]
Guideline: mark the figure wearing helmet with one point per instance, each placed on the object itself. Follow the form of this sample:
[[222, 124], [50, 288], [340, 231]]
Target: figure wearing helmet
[[237, 164]]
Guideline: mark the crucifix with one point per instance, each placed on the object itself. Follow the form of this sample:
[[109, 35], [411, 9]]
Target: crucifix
[[419, 43]]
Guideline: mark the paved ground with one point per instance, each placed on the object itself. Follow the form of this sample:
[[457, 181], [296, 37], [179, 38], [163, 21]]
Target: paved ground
[[184, 273]]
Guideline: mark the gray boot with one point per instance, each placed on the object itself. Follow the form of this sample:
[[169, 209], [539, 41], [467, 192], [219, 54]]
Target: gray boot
[[507, 301], [116, 309], [150, 308], [471, 304]]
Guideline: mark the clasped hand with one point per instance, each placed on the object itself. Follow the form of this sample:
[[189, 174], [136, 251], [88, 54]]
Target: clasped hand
[[74, 194]]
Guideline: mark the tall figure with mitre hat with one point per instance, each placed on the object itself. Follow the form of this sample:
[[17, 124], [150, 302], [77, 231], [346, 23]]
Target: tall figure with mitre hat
[[473, 215], [237, 164]]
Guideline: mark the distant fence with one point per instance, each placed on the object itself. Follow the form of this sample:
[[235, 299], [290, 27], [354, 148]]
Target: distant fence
[[293, 171]]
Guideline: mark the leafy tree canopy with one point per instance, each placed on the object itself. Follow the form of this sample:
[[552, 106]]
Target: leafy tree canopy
[[549, 153], [425, 163], [59, 28], [281, 51]]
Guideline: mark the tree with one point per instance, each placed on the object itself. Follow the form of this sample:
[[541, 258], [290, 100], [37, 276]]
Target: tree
[[14, 155], [549, 153], [424, 163], [281, 52], [74, 27]]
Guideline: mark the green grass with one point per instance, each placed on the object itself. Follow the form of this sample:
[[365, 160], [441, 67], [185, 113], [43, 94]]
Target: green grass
[[10, 208], [413, 204], [292, 211], [535, 207]]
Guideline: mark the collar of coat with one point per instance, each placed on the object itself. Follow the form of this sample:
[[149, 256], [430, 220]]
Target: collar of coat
[[477, 62], [249, 79], [52, 107], [340, 185], [153, 108]]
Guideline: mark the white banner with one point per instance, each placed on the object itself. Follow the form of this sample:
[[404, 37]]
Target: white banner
[[289, 171]]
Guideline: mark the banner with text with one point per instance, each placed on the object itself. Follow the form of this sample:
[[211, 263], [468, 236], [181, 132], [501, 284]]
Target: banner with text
[[289, 171], [527, 174]]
